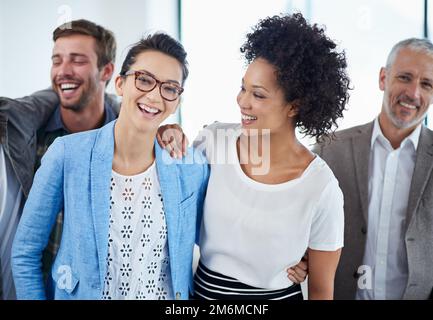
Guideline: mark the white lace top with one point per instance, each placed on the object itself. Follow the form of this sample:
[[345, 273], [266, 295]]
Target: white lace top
[[138, 260]]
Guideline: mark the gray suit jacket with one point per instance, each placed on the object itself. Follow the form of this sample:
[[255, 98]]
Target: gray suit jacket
[[348, 156]]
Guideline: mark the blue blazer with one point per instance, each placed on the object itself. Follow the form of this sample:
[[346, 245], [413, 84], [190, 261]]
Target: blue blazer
[[75, 176]]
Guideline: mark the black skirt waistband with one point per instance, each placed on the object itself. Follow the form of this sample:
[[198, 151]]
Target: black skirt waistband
[[211, 285]]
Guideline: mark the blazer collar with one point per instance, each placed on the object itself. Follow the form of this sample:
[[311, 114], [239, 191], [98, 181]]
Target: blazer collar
[[100, 175], [361, 154], [423, 167], [422, 170], [412, 138], [170, 190]]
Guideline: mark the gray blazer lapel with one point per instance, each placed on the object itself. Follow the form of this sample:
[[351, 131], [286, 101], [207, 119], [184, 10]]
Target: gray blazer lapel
[[361, 154], [100, 175], [167, 174], [422, 170]]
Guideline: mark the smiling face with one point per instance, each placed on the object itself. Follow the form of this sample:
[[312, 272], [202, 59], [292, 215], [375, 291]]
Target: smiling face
[[408, 88], [74, 73], [146, 110], [262, 101]]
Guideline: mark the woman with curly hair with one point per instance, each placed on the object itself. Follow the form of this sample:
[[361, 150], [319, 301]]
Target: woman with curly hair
[[260, 217], [269, 199]]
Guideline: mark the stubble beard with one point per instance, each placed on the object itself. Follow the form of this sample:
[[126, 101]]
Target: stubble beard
[[85, 98], [397, 122]]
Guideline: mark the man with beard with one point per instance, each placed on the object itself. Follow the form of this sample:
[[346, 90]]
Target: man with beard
[[385, 172], [82, 65]]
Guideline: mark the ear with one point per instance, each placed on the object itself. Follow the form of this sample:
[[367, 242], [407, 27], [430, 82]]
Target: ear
[[382, 78], [293, 109], [119, 82], [107, 71]]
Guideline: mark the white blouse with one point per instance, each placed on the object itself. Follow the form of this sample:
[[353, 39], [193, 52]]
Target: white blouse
[[253, 231], [138, 260]]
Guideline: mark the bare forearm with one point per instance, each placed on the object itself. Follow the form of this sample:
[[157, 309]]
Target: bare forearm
[[320, 291], [322, 266]]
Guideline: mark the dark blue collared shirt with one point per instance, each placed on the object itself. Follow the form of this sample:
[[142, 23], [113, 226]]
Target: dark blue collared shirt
[[55, 122], [55, 128]]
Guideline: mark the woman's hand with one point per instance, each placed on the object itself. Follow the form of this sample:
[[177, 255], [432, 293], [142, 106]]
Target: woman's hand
[[171, 138], [298, 273]]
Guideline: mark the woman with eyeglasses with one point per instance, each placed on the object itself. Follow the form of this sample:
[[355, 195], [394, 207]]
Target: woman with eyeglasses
[[130, 211], [269, 199]]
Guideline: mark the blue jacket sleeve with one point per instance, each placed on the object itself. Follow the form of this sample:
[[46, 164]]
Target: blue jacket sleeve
[[40, 211], [202, 196]]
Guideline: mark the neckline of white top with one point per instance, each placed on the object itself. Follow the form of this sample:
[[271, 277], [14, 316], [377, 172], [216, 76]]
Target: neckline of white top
[[264, 186], [134, 176]]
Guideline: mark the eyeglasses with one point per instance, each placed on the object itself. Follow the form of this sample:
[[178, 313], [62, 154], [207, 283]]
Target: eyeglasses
[[146, 82]]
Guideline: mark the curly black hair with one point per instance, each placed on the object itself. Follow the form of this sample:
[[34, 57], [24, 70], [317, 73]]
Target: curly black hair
[[309, 69]]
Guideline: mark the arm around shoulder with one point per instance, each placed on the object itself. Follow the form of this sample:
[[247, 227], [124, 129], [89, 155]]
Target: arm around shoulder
[[38, 107]]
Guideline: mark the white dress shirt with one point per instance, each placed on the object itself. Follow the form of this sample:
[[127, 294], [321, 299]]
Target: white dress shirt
[[390, 175], [11, 205]]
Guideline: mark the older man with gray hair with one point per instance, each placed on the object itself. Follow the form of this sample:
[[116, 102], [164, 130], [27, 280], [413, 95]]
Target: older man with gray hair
[[385, 171]]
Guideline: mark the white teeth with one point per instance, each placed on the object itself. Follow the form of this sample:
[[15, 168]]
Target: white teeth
[[148, 109], [409, 106], [151, 110], [245, 117], [67, 86]]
